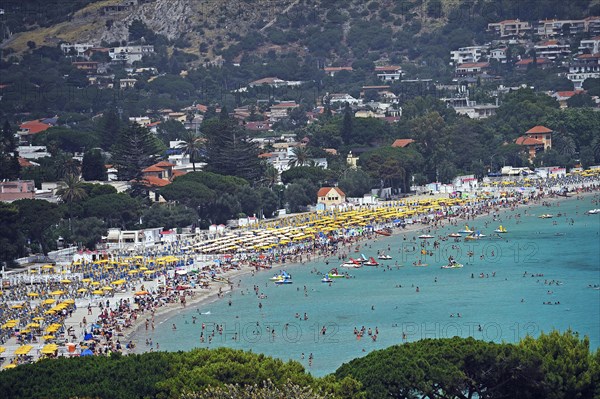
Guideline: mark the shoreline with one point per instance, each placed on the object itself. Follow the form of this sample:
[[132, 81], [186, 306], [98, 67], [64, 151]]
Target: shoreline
[[203, 296], [168, 312]]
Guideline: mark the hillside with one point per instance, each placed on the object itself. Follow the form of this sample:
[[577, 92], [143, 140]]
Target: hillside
[[335, 31]]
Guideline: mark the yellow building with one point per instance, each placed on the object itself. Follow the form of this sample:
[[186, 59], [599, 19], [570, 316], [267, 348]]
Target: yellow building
[[330, 196]]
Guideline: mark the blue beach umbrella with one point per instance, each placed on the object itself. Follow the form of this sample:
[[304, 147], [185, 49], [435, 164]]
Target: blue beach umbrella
[[87, 352]]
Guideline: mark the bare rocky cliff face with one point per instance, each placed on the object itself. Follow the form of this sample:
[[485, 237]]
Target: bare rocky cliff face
[[170, 18]]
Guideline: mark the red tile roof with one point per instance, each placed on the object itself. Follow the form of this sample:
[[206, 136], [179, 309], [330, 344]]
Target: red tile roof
[[402, 142], [24, 163], [153, 181], [265, 155], [164, 164], [527, 61], [391, 68], [539, 129], [569, 93], [583, 56], [152, 168], [323, 191], [178, 172], [524, 140], [34, 126]]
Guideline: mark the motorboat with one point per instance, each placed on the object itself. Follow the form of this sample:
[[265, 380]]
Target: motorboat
[[333, 273], [546, 216], [425, 236], [454, 235], [384, 232], [594, 211], [500, 230], [474, 236], [326, 279], [420, 264], [371, 262], [352, 264], [284, 281], [384, 256], [453, 265]]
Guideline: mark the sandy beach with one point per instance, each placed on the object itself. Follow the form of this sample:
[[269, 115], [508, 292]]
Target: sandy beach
[[87, 311]]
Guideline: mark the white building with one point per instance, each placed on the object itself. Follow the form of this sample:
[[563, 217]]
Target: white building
[[77, 49], [583, 67], [558, 27], [591, 46], [389, 73], [552, 49], [341, 98], [476, 111], [498, 54], [467, 54], [130, 54]]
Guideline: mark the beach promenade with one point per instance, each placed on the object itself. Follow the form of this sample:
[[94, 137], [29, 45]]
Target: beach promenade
[[95, 307]]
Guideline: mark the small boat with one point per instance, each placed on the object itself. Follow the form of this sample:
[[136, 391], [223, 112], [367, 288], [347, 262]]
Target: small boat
[[326, 279], [419, 264], [466, 230], [453, 265], [546, 216], [371, 262], [474, 236], [352, 263], [384, 232], [425, 236], [333, 273], [284, 281], [594, 211], [282, 275], [500, 230], [454, 235], [384, 256]]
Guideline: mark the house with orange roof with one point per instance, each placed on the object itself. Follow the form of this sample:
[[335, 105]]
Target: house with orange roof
[[536, 140], [30, 128], [524, 63], [159, 175], [402, 143], [330, 197], [563, 96], [552, 49], [331, 71]]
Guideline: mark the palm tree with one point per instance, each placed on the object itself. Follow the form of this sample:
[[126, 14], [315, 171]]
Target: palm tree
[[564, 143], [300, 156], [596, 148], [72, 191], [191, 145], [271, 176]]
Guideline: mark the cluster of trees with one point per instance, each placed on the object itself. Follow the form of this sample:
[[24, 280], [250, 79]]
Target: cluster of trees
[[554, 366]]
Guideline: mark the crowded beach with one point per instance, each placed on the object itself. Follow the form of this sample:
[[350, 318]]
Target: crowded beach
[[94, 304]]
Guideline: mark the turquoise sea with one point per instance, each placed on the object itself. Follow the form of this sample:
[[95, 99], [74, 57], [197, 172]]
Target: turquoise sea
[[496, 300]]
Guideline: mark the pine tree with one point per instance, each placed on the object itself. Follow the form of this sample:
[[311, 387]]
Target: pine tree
[[93, 166], [109, 127], [228, 152], [136, 149], [9, 157], [346, 130]]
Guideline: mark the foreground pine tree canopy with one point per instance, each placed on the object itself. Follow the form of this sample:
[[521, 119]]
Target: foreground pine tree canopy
[[555, 365]]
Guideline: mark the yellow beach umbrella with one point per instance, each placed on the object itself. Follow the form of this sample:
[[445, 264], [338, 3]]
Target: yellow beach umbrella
[[98, 292], [107, 288], [48, 301], [23, 350], [2, 349], [86, 280], [69, 301], [17, 306], [33, 294], [118, 282], [38, 318], [57, 292], [65, 281], [95, 283], [48, 337], [49, 349], [10, 366], [82, 290]]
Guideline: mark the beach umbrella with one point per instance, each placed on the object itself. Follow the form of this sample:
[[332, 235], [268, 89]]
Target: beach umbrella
[[10, 366], [57, 292], [140, 293], [98, 292], [33, 294], [107, 288], [86, 280], [17, 306], [48, 337], [87, 352], [82, 290], [2, 349], [65, 281], [23, 350], [118, 282], [38, 318], [48, 301]]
